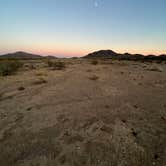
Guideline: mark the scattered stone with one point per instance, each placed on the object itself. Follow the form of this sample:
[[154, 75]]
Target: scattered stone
[[154, 163]]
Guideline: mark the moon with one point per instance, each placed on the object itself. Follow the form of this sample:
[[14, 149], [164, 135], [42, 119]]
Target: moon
[[96, 4]]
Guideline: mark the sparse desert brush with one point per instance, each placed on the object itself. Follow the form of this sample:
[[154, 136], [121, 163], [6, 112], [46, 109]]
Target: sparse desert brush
[[31, 66], [21, 88], [94, 78], [9, 67], [39, 81], [94, 62], [1, 95], [41, 74], [155, 68], [56, 65], [89, 70], [159, 61]]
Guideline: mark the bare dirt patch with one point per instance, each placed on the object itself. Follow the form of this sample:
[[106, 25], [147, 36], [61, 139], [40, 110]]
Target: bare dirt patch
[[106, 114]]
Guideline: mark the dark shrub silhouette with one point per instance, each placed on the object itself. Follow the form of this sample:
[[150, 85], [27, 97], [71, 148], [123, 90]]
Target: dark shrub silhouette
[[56, 65], [9, 67]]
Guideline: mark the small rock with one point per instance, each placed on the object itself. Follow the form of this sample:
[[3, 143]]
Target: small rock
[[154, 163]]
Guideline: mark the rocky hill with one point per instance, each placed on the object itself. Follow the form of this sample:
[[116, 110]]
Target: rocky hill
[[126, 56], [20, 55]]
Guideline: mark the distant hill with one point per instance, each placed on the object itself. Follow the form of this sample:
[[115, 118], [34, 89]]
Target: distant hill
[[126, 56], [102, 54], [50, 57], [20, 55]]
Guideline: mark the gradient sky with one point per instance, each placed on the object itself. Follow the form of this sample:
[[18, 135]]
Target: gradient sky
[[77, 27]]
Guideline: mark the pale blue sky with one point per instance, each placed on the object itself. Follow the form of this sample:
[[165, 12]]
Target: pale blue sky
[[76, 27]]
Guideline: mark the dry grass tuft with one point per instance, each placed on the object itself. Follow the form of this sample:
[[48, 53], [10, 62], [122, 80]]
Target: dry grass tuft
[[40, 81], [41, 74]]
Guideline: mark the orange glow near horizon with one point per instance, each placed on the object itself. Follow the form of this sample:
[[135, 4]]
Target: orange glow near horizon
[[79, 53], [74, 49], [64, 29]]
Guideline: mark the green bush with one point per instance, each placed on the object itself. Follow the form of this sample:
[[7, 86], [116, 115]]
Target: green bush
[[9, 67], [56, 65]]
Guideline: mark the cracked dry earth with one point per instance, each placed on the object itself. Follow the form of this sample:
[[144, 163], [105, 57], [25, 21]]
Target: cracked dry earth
[[109, 114]]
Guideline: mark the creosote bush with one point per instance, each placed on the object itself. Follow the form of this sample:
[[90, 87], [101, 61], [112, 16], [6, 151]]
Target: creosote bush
[[94, 78], [21, 88], [56, 65], [40, 80], [9, 67], [94, 62]]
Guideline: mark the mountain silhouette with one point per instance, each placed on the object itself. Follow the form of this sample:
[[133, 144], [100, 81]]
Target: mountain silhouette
[[21, 55], [126, 56], [102, 54]]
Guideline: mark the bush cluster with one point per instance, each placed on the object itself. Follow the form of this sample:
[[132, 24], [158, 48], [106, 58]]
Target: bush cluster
[[9, 67], [56, 65], [94, 62]]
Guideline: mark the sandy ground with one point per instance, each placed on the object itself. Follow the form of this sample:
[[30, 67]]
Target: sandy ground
[[109, 114]]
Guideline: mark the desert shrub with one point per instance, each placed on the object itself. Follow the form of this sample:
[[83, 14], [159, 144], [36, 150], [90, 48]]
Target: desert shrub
[[21, 88], [1, 95], [155, 68], [32, 66], [94, 62], [159, 61], [41, 74], [94, 78], [9, 67], [40, 81], [89, 70], [56, 65]]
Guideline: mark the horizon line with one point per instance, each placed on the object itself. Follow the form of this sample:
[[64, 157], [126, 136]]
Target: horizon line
[[68, 56]]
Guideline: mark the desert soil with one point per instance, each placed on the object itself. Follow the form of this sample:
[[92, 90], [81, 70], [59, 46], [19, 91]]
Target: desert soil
[[109, 114]]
